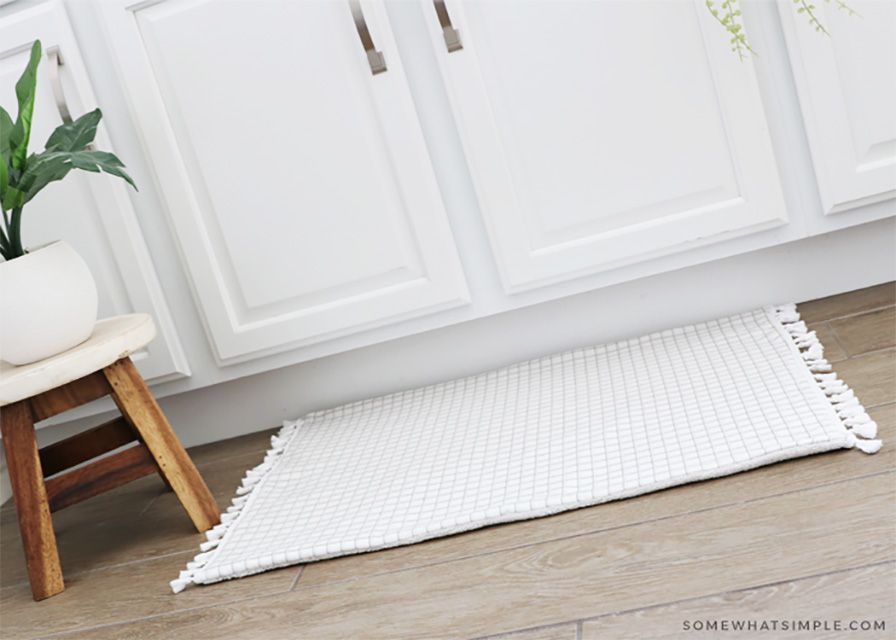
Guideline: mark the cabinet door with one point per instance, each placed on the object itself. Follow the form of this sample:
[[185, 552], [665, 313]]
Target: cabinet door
[[604, 133], [91, 212], [847, 90], [296, 179]]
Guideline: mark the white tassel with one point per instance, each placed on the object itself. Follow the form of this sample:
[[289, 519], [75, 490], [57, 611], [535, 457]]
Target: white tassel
[[851, 411], [178, 585], [797, 328], [869, 446], [245, 488], [208, 546], [861, 430], [866, 430], [183, 579], [843, 396], [216, 534], [788, 316], [815, 352]]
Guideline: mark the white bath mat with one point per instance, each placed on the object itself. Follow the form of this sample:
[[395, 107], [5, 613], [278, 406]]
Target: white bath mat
[[565, 431]]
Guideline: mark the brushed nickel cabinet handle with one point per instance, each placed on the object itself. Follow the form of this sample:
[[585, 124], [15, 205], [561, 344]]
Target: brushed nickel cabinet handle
[[451, 35], [374, 58], [56, 61], [65, 113]]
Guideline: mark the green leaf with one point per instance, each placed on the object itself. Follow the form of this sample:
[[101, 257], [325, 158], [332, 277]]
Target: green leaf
[[101, 160], [13, 198], [43, 169], [76, 135], [50, 166], [4, 178], [6, 125], [25, 90]]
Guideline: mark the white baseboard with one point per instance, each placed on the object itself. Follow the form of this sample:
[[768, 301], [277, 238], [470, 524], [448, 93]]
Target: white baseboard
[[803, 270]]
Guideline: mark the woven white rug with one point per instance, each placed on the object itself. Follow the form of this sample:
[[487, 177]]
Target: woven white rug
[[565, 431]]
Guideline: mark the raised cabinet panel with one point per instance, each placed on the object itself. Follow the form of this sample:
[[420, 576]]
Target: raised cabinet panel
[[91, 212], [847, 90], [297, 181], [605, 133]]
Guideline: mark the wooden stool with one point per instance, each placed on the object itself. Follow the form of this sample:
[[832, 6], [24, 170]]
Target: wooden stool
[[35, 392]]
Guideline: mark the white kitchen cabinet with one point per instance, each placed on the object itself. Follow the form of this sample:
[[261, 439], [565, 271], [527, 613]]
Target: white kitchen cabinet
[[847, 91], [296, 180], [605, 133], [91, 212]]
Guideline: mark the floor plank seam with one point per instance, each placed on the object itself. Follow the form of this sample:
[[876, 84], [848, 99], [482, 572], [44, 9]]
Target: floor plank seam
[[540, 627], [117, 565], [151, 502], [849, 315], [595, 531], [866, 354], [837, 341], [298, 577], [857, 356], [156, 616], [891, 561]]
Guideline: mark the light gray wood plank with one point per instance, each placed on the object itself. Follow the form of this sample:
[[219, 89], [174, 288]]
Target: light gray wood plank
[[866, 594], [867, 331], [872, 376], [882, 295], [124, 592]]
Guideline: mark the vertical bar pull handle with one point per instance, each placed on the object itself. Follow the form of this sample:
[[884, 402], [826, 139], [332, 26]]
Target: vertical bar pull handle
[[451, 35], [374, 58], [56, 61]]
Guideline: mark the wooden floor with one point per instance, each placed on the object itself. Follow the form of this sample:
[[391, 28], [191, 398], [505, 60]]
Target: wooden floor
[[813, 538]]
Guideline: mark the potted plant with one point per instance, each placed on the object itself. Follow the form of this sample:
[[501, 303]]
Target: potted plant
[[48, 300]]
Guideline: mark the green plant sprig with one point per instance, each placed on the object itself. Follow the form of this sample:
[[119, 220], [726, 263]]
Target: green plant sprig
[[23, 176], [728, 15], [809, 10]]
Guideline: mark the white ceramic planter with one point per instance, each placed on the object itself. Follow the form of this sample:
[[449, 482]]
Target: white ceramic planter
[[48, 303]]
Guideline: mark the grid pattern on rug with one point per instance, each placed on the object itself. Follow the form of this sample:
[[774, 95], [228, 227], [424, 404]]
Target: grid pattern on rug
[[559, 432]]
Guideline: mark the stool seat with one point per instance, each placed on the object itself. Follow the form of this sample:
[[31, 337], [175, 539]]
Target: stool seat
[[112, 339]]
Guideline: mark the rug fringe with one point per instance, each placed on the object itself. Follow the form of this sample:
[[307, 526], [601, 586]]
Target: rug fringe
[[860, 428], [253, 477]]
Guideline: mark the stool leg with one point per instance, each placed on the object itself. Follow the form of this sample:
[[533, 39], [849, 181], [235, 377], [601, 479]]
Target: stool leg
[[30, 495], [138, 406]]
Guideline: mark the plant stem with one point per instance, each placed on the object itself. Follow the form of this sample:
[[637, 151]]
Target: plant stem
[[15, 233], [4, 243], [808, 9]]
